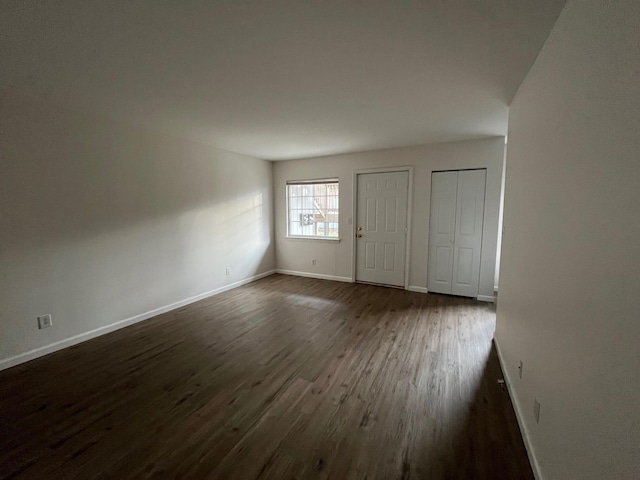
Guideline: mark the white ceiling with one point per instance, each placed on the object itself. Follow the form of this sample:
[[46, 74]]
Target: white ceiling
[[281, 79]]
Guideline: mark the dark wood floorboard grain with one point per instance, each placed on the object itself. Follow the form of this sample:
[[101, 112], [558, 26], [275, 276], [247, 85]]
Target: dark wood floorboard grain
[[284, 378]]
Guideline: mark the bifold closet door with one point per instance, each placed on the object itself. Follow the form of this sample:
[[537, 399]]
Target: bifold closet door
[[442, 224], [455, 238], [468, 241]]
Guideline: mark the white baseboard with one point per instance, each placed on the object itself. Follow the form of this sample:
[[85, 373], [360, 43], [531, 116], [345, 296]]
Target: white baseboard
[[413, 288], [68, 342], [486, 298], [535, 466], [320, 276]]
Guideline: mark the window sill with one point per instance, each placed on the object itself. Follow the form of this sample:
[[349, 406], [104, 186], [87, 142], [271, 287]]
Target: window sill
[[315, 239]]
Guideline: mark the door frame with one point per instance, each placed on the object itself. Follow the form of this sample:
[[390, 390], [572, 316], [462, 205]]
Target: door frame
[[407, 253]]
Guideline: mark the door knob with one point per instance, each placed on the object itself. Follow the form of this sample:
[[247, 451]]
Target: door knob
[[359, 235], [359, 228]]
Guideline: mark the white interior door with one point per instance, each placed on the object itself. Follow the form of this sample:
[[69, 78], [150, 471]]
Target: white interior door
[[442, 226], [468, 241], [455, 232], [381, 227]]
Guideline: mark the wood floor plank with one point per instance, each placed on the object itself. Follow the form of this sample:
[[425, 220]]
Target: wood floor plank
[[283, 378]]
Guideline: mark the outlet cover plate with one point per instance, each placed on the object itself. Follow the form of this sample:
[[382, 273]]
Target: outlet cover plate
[[44, 321]]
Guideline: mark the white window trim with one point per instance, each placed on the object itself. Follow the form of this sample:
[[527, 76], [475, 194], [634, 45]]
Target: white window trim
[[286, 196], [317, 239]]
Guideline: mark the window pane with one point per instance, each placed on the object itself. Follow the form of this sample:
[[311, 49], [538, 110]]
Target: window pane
[[313, 209]]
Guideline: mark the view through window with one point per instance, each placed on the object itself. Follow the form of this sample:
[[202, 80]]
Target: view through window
[[313, 209]]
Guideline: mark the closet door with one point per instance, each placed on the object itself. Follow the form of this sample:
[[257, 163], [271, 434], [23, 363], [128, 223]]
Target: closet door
[[455, 232], [442, 225], [468, 232]]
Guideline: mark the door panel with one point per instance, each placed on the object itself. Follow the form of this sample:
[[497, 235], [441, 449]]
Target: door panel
[[467, 216], [389, 257], [370, 224], [381, 220], [446, 214], [463, 273], [391, 215], [442, 224], [370, 255], [443, 264], [468, 237]]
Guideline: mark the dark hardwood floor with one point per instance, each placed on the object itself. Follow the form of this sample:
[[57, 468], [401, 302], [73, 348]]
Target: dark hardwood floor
[[284, 378]]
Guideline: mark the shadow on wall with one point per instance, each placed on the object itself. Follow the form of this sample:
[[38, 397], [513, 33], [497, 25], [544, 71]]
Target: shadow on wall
[[66, 175], [237, 230], [235, 224], [69, 178]]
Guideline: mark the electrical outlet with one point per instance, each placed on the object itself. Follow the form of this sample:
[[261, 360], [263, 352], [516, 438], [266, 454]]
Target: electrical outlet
[[44, 321], [313, 261], [227, 271], [536, 410], [520, 369]]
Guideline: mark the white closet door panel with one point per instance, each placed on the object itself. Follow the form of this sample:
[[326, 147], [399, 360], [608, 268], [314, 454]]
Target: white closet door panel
[[442, 224], [468, 232]]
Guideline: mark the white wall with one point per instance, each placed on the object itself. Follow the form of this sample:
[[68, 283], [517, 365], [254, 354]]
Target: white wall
[[100, 222], [335, 259], [569, 302]]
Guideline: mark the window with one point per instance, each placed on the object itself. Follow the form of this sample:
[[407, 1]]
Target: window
[[312, 209]]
